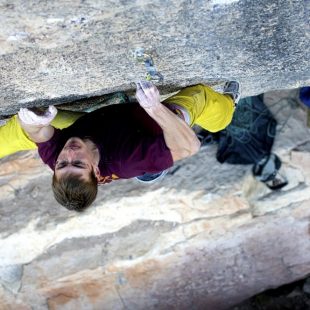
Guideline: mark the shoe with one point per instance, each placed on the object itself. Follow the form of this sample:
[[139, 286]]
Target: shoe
[[151, 177], [267, 171], [232, 88], [277, 182], [206, 138]]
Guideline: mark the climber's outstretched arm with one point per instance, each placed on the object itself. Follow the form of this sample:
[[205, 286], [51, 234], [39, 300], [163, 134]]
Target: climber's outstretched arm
[[179, 137]]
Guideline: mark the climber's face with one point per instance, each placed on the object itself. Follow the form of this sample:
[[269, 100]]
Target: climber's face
[[76, 157]]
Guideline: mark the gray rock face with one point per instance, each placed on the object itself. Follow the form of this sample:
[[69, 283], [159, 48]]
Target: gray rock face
[[208, 236], [55, 51]]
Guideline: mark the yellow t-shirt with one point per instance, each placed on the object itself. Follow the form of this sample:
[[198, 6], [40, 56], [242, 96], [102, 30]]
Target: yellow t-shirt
[[206, 108], [13, 138]]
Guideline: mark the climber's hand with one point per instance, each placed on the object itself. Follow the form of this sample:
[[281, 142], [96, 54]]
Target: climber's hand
[[147, 95], [32, 119], [36, 126]]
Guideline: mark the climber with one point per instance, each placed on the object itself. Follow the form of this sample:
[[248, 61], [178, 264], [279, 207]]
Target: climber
[[133, 138]]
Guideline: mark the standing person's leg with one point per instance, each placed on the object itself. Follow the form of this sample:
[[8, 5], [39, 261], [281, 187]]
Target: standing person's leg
[[205, 107]]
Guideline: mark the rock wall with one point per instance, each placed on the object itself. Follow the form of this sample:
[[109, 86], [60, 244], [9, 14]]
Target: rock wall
[[56, 51], [207, 237]]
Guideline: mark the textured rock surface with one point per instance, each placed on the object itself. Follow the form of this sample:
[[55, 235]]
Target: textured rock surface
[[55, 51], [207, 237]]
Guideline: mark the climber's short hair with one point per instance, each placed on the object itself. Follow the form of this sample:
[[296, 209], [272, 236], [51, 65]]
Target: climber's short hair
[[75, 193]]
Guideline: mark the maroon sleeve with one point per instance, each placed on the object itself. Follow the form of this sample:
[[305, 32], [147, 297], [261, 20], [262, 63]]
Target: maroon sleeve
[[159, 155], [152, 151], [48, 150], [150, 155]]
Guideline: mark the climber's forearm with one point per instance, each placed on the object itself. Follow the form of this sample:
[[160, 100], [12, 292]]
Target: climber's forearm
[[37, 133], [179, 137]]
